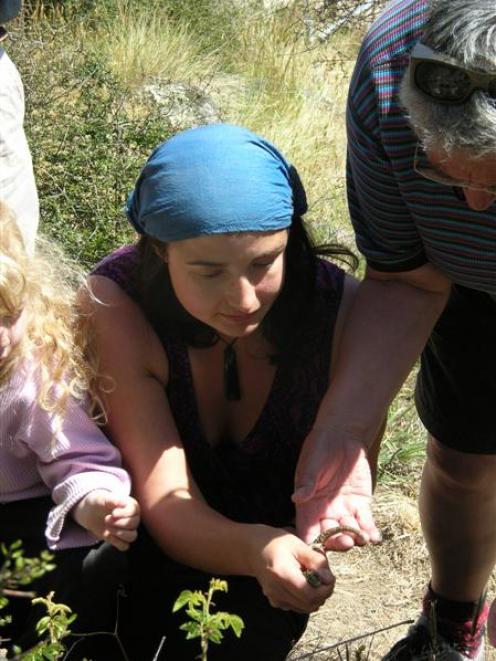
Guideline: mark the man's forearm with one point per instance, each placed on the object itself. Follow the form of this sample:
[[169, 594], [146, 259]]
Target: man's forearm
[[387, 328]]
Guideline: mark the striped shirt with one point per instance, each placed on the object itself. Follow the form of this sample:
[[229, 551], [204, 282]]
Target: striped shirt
[[401, 219]]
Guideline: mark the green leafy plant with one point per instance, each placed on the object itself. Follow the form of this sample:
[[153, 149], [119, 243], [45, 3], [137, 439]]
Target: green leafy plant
[[202, 623], [18, 571], [53, 627]]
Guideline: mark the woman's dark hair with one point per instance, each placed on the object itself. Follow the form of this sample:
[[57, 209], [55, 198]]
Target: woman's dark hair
[[281, 326]]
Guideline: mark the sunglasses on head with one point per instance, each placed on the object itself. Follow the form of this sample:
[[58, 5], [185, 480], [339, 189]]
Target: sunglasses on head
[[442, 78]]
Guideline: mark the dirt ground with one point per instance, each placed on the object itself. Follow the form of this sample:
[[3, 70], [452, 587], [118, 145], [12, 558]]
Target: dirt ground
[[376, 587]]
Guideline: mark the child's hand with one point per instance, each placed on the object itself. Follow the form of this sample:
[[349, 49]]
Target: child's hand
[[109, 517]]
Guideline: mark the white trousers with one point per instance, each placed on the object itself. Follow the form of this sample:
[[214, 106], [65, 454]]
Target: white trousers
[[17, 184]]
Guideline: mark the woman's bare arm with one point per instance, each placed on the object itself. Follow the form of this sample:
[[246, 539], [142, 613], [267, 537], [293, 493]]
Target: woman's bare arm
[[141, 423]]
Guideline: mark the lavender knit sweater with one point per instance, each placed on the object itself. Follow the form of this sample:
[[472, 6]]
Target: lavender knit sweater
[[37, 458]]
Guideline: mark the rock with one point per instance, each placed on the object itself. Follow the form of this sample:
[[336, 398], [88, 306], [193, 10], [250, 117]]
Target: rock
[[185, 105]]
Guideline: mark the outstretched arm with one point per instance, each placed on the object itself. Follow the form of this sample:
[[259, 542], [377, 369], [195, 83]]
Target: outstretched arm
[[386, 329], [141, 423]]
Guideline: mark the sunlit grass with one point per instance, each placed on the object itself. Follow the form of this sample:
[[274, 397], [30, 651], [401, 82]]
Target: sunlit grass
[[141, 44], [294, 93], [403, 447], [270, 80]]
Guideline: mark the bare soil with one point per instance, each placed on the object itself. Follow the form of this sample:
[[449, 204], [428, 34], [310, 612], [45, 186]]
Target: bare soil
[[377, 587]]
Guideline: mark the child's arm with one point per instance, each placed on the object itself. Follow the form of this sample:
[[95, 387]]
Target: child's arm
[[75, 459], [109, 517]]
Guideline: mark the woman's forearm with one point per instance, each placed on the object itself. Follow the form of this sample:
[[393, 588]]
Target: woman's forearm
[[191, 532]]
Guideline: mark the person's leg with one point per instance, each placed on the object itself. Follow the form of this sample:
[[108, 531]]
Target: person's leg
[[269, 633], [458, 511], [457, 508], [86, 579], [455, 400], [91, 581]]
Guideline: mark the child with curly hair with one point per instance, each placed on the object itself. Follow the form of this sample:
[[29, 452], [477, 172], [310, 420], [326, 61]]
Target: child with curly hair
[[61, 481]]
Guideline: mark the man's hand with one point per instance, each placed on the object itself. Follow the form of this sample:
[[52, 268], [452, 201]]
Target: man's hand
[[333, 486]]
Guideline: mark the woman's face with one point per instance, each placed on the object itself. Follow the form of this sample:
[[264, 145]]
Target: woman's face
[[228, 281]]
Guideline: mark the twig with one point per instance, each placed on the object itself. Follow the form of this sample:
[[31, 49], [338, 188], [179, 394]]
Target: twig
[[352, 640], [18, 593], [157, 653], [84, 636], [114, 634]]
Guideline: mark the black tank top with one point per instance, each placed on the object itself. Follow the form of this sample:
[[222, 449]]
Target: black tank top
[[251, 481]]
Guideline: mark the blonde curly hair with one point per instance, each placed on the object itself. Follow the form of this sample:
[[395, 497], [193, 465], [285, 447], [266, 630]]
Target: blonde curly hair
[[45, 287]]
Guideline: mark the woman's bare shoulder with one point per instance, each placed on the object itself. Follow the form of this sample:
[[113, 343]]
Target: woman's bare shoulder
[[125, 338]]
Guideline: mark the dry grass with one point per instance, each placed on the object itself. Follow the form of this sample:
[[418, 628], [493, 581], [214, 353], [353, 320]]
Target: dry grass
[[142, 44], [271, 80], [295, 95], [403, 447]]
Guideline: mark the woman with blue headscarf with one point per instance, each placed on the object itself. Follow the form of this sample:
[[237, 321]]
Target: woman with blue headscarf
[[218, 329]]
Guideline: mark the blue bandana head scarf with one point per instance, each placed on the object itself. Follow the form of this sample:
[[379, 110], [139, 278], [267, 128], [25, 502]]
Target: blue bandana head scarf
[[213, 180]]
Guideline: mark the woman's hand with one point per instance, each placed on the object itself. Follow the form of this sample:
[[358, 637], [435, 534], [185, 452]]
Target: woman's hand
[[279, 559]]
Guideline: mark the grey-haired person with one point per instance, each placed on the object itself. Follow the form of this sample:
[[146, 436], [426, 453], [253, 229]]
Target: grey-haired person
[[17, 184], [421, 174]]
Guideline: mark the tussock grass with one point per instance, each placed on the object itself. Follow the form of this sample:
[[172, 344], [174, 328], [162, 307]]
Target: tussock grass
[[292, 94], [141, 43], [266, 77]]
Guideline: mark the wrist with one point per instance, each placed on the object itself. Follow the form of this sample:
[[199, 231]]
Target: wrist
[[353, 436], [87, 503], [258, 537]]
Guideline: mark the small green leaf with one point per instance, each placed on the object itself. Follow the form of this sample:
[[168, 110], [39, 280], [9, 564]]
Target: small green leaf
[[218, 584], [215, 636], [192, 629], [182, 600], [195, 615], [237, 624]]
